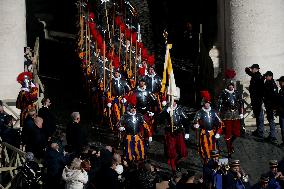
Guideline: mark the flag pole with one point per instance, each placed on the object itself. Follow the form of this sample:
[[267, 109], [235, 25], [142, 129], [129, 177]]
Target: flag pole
[[167, 57]]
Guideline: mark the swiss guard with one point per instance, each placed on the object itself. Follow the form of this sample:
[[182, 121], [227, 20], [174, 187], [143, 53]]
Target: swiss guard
[[136, 132], [27, 96], [176, 131], [210, 127], [230, 106], [119, 88], [145, 101], [154, 85]]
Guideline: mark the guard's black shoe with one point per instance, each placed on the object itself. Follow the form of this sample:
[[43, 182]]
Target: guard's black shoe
[[256, 134], [229, 155], [273, 140], [267, 139], [270, 139], [281, 145]]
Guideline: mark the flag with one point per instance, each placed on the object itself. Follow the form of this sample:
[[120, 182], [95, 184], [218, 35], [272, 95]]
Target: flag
[[168, 68], [172, 90]]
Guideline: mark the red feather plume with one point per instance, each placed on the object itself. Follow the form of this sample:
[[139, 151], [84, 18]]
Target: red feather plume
[[140, 45], [205, 95], [115, 62], [141, 71], [134, 37], [151, 60], [122, 28], [144, 53], [230, 73], [92, 15], [118, 21], [22, 75], [127, 33], [131, 99]]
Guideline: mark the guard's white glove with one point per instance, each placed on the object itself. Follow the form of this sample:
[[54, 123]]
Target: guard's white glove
[[151, 114], [241, 116], [186, 136], [123, 100], [164, 103], [121, 129], [119, 169], [217, 136], [109, 104], [168, 109], [196, 126], [150, 139]]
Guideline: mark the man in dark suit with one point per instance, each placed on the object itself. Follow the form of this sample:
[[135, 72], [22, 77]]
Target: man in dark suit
[[54, 162], [269, 98], [256, 95], [28, 129], [75, 135], [280, 108], [49, 123]]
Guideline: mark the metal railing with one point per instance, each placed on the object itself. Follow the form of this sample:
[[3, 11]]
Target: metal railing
[[36, 74]]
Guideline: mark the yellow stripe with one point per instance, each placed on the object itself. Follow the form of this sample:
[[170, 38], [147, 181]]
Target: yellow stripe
[[136, 147], [129, 149], [142, 148], [167, 67]]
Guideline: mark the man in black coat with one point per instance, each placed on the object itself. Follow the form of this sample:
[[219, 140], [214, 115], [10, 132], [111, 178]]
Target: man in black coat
[[2, 118], [269, 96], [49, 124], [256, 95], [28, 129], [9, 134], [280, 106], [235, 178], [55, 163], [107, 177], [75, 135]]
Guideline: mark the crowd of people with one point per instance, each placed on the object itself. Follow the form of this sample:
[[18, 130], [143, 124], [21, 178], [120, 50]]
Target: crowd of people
[[131, 98]]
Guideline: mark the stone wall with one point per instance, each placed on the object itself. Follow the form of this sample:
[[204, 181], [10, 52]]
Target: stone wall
[[13, 41]]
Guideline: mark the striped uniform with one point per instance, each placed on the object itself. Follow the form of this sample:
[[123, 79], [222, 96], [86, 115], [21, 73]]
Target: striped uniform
[[136, 129], [209, 124]]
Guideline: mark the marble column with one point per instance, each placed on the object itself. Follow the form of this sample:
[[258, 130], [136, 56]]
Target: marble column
[[252, 32], [12, 43]]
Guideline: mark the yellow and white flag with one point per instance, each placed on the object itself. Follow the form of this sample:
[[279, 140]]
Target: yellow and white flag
[[172, 90]]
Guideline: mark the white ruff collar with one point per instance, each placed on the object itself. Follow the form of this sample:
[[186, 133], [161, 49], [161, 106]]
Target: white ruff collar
[[206, 110], [141, 89], [117, 78], [25, 89], [228, 91], [152, 75], [132, 114]]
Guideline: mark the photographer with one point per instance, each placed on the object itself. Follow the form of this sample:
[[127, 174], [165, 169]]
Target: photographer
[[275, 176], [235, 178], [211, 171], [10, 135], [263, 183]]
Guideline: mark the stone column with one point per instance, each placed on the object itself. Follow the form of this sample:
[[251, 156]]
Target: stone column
[[253, 33], [12, 43]]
